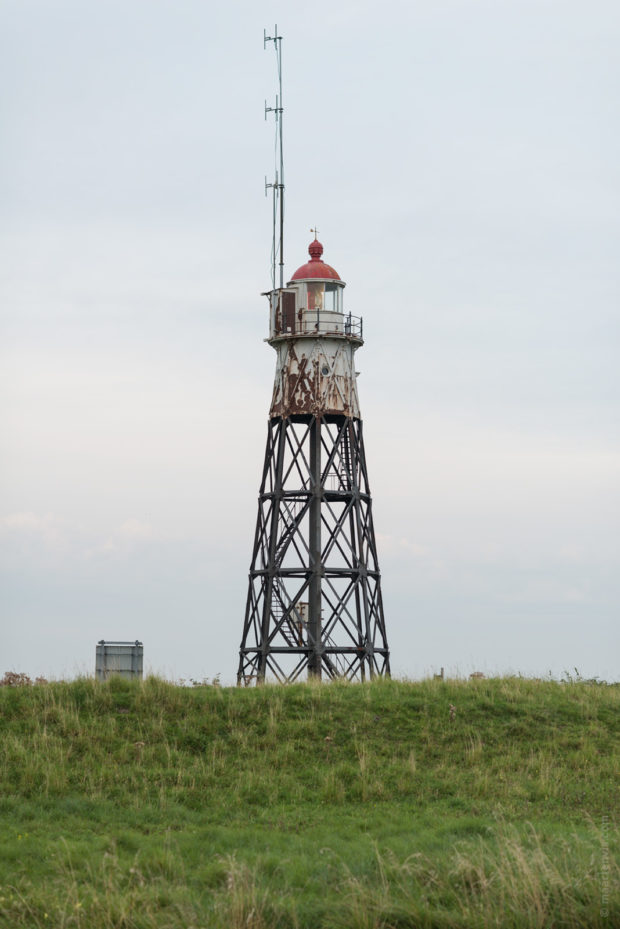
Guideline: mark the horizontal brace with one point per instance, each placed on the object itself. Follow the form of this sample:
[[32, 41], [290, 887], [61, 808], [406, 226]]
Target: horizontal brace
[[345, 495], [301, 492], [282, 572], [309, 650]]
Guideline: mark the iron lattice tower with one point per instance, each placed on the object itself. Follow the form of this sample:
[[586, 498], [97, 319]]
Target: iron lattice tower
[[314, 600]]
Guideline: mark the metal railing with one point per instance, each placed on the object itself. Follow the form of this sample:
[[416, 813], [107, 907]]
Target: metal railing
[[323, 322]]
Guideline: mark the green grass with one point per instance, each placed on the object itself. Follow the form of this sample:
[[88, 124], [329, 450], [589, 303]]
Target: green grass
[[152, 805]]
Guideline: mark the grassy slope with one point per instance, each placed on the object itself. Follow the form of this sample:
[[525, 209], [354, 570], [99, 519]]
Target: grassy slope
[[152, 805]]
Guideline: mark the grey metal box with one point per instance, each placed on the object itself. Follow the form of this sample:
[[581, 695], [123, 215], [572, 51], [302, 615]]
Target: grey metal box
[[121, 658]]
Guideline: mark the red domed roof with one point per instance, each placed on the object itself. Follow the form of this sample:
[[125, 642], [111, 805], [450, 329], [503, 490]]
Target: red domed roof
[[315, 268]]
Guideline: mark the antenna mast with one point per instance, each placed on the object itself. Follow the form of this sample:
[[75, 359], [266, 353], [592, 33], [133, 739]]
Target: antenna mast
[[278, 184]]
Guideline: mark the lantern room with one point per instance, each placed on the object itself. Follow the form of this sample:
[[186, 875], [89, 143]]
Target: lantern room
[[319, 282], [312, 302]]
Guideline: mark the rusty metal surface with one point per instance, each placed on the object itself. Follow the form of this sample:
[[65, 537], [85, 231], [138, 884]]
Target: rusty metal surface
[[315, 376]]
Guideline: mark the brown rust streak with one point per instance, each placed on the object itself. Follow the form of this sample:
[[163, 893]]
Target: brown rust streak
[[301, 389]]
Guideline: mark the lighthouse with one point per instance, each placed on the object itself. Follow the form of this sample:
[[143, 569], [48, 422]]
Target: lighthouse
[[314, 605]]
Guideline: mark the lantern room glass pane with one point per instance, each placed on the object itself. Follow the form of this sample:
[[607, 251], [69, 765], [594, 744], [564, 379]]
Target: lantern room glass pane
[[332, 297], [316, 292]]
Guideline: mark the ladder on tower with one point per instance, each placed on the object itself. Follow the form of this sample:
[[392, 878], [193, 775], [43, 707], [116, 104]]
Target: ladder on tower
[[294, 511], [290, 627], [339, 478], [334, 661]]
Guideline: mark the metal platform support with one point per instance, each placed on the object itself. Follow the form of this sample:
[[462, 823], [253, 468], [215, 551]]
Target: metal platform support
[[314, 599]]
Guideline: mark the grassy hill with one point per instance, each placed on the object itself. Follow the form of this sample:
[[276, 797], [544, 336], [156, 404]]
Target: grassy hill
[[392, 804]]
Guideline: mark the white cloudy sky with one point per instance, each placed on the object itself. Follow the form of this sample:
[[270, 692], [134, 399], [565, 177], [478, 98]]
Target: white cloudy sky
[[460, 158]]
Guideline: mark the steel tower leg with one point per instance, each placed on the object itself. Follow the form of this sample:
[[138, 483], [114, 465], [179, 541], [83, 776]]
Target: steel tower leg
[[314, 617]]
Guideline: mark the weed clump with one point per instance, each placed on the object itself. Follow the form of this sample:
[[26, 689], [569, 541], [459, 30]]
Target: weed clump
[[19, 679]]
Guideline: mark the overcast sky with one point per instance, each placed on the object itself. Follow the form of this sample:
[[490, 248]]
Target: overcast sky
[[460, 159]]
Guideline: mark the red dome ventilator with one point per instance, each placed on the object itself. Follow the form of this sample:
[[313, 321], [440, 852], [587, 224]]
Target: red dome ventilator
[[315, 268]]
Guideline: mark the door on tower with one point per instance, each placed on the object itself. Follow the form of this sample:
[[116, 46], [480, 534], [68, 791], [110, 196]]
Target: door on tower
[[288, 312]]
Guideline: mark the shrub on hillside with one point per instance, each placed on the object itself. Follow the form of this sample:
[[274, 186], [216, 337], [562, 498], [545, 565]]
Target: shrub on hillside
[[19, 679]]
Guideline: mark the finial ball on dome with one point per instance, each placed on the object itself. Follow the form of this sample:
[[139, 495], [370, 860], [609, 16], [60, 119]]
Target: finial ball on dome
[[315, 249]]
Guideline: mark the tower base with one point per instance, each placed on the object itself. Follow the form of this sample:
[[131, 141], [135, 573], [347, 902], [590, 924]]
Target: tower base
[[314, 599]]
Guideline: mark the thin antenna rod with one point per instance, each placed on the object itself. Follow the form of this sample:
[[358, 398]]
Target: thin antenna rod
[[278, 185]]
